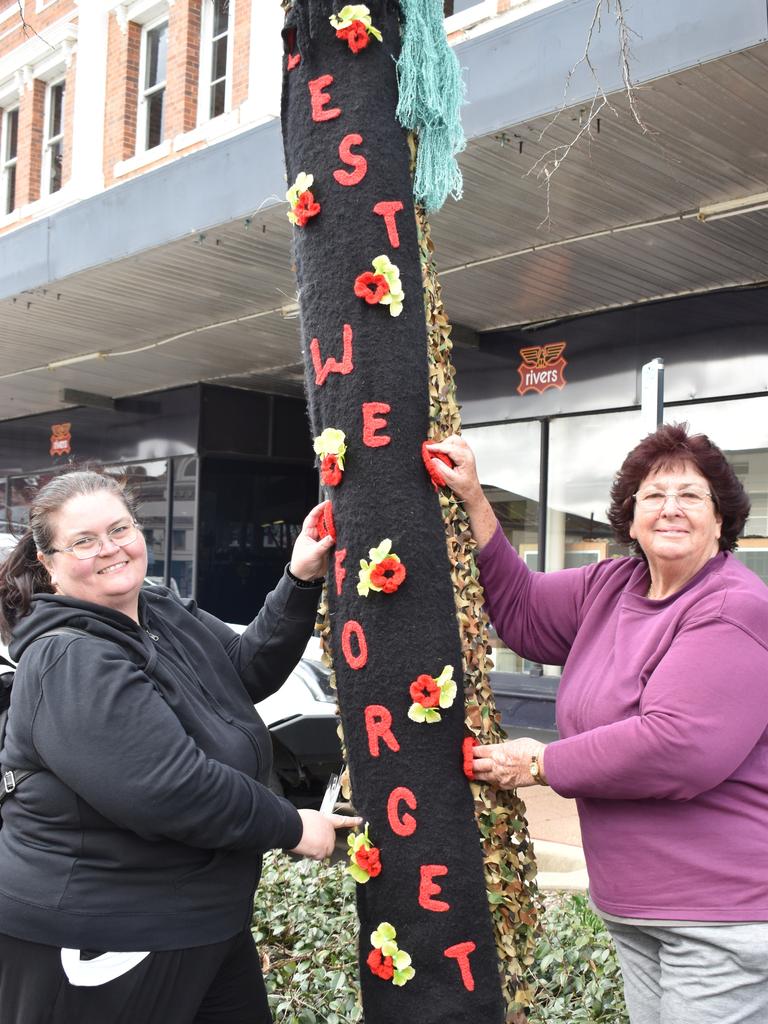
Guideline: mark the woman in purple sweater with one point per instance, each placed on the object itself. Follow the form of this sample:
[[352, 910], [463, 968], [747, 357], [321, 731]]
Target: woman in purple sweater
[[663, 714]]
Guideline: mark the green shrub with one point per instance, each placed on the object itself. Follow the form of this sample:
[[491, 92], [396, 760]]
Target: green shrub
[[305, 925], [576, 971], [306, 928]]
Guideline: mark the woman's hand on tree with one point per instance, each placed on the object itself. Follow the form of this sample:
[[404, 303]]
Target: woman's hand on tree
[[319, 836], [463, 480], [507, 765], [309, 560], [462, 477]]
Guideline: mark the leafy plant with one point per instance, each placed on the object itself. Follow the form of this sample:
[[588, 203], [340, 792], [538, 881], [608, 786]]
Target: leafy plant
[[306, 928], [305, 925], [576, 973]]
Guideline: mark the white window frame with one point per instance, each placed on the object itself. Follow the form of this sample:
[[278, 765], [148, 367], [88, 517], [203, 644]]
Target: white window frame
[[206, 62], [7, 163], [141, 126], [49, 141]]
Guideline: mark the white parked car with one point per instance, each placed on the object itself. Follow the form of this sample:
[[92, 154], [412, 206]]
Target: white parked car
[[302, 721]]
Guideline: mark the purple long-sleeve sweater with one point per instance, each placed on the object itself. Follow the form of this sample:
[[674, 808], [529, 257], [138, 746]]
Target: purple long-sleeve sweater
[[663, 714]]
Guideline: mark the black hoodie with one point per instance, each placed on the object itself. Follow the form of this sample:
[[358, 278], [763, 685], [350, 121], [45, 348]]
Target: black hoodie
[[145, 827]]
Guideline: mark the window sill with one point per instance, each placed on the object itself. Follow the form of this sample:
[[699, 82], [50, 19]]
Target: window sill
[[41, 207], [224, 124], [463, 20], [148, 156]]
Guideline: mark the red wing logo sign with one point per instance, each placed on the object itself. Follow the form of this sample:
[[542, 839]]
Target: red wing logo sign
[[60, 438], [542, 367]]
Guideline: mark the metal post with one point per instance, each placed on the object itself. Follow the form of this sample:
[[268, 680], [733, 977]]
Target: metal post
[[651, 396], [543, 494]]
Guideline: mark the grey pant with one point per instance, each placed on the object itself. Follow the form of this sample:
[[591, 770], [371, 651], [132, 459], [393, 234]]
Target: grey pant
[[694, 974]]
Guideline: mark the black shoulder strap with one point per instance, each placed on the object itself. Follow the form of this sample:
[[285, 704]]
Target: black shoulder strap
[[11, 779]]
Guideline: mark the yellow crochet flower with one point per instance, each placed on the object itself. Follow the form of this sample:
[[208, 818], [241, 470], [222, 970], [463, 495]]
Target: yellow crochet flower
[[354, 12], [331, 442], [391, 274]]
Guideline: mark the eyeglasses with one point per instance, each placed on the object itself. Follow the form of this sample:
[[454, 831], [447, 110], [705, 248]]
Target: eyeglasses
[[653, 499], [88, 547]]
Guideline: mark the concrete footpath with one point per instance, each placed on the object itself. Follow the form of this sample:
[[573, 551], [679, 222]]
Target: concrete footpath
[[554, 827]]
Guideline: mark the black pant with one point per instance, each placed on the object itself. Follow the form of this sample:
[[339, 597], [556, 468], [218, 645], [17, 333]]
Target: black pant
[[216, 984]]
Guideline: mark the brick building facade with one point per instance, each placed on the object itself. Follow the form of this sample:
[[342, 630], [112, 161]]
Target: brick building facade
[[157, 79]]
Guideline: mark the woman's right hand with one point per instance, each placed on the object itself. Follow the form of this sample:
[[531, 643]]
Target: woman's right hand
[[463, 480], [319, 836], [462, 477]]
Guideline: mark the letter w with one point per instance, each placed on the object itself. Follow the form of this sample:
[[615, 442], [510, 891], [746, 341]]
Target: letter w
[[331, 365]]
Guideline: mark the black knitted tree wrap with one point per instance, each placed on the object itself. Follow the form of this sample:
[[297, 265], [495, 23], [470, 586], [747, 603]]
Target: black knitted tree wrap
[[367, 376]]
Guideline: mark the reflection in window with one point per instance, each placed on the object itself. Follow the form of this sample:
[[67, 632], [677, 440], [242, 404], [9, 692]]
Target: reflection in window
[[4, 517], [54, 138], [148, 483], [508, 465], [216, 55], [183, 533], [152, 107], [23, 491], [740, 428], [10, 149], [585, 453]]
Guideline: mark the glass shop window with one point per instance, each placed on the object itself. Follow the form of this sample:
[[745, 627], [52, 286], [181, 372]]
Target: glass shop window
[[508, 465], [740, 428], [22, 492], [585, 453], [148, 483], [183, 533]]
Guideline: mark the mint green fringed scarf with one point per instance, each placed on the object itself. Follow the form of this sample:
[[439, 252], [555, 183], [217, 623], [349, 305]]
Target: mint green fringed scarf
[[431, 93]]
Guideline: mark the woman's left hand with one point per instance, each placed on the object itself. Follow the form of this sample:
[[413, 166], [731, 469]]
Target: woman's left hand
[[507, 765], [309, 560]]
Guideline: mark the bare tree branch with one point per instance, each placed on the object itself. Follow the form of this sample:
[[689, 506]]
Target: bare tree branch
[[26, 28], [550, 161]]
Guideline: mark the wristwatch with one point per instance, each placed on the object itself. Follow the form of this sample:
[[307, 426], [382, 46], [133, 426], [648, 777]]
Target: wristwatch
[[537, 770]]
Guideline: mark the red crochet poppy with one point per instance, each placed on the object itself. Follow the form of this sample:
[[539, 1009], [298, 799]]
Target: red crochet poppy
[[425, 691], [325, 524], [466, 753], [356, 36], [381, 966], [369, 860], [435, 475], [388, 574], [305, 208], [330, 473], [371, 287]]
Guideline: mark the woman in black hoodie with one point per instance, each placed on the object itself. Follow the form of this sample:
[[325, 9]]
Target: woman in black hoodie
[[131, 855]]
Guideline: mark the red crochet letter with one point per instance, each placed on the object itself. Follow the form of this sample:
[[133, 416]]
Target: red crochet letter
[[428, 889], [339, 571], [352, 628], [377, 724], [405, 825], [372, 422], [388, 211], [461, 953], [358, 161], [331, 365], [320, 99]]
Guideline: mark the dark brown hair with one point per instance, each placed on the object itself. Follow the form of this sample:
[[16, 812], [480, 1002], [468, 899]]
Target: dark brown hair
[[21, 573], [670, 446]]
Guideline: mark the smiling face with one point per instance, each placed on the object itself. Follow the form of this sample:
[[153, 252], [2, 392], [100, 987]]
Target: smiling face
[[673, 538], [114, 576]]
